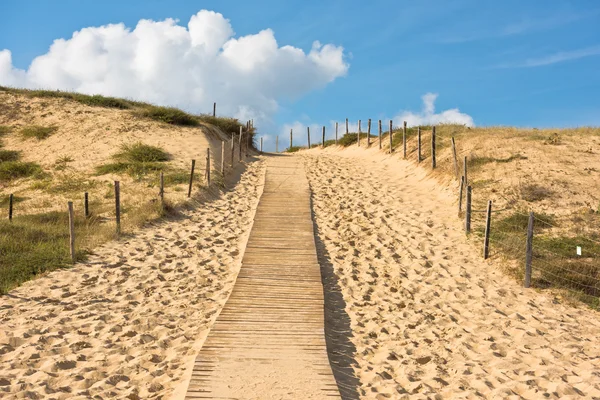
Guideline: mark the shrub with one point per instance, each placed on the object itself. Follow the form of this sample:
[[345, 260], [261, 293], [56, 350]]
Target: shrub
[[11, 170], [37, 132], [9, 155], [142, 153], [169, 115], [136, 169], [534, 192], [294, 149]]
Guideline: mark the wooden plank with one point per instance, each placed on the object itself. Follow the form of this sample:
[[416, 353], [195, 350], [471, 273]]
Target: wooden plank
[[269, 339]]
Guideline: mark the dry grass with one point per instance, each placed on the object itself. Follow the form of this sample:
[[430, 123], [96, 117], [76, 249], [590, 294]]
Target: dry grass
[[551, 172]]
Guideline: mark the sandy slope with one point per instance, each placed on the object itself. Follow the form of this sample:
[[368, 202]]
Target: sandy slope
[[127, 323], [430, 318]]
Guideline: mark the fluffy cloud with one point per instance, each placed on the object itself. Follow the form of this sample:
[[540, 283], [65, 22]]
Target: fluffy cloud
[[427, 116], [165, 63]]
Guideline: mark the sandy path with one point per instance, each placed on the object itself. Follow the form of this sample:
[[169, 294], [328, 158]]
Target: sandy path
[[430, 318], [268, 343], [127, 323]]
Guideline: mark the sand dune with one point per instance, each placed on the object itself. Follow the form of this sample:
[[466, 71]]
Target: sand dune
[[430, 318], [127, 323]]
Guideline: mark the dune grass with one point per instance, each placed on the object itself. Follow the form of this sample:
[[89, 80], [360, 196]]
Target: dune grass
[[136, 160], [168, 115], [11, 170], [9, 155], [37, 132]]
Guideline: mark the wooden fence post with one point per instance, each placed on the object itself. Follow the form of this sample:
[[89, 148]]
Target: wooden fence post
[[222, 158], [240, 143], [379, 134], [291, 137], [308, 134], [191, 178], [232, 149], [460, 193], [208, 167], [468, 213], [323, 141], [529, 251], [391, 144], [10, 206], [261, 143], [433, 164], [161, 192], [336, 133], [369, 133], [118, 205], [346, 126], [277, 144], [358, 134], [455, 159], [419, 144], [214, 109], [86, 205], [404, 138], [71, 231], [465, 171], [486, 240]]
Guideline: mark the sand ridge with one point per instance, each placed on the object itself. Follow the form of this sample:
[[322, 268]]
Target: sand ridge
[[430, 318], [127, 323]]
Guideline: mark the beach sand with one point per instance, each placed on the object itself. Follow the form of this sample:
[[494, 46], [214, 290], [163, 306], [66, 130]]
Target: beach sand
[[129, 321], [430, 318]]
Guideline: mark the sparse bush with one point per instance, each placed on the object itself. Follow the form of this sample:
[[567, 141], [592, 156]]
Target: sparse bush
[[348, 139], [169, 115], [142, 153], [533, 192], [294, 149], [9, 155], [62, 163], [4, 130], [227, 125], [135, 169], [38, 132], [11, 170]]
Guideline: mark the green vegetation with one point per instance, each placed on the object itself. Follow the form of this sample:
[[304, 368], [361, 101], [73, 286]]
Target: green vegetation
[[33, 244], [169, 115], [62, 163], [475, 162], [37, 132], [10, 170], [9, 155], [226, 125], [294, 149], [141, 153], [5, 129], [136, 160], [348, 139]]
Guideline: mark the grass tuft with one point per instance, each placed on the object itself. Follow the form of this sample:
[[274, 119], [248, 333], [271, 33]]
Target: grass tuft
[[9, 155], [11, 170], [37, 132], [141, 153], [169, 115], [294, 149]]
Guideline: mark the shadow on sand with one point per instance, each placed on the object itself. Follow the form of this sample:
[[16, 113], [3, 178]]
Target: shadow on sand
[[340, 349]]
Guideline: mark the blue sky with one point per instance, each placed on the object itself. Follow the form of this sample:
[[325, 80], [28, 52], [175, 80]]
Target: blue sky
[[523, 63]]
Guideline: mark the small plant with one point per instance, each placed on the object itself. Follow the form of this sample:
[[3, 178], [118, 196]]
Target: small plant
[[5, 129], [9, 155], [169, 115], [38, 132], [11, 170], [62, 163], [135, 169], [533, 192], [139, 152], [553, 139]]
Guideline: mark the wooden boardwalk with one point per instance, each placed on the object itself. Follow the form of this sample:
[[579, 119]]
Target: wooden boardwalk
[[269, 342]]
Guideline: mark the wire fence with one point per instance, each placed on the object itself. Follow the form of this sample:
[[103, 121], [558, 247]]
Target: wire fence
[[35, 242], [541, 255]]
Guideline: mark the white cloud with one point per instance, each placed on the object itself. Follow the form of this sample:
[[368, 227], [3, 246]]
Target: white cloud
[[555, 58], [427, 116], [188, 67]]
